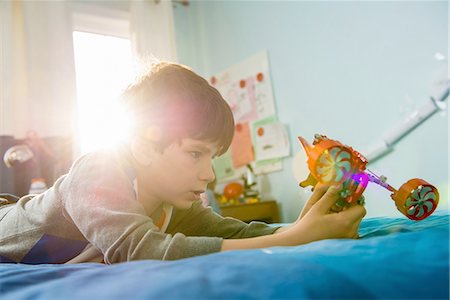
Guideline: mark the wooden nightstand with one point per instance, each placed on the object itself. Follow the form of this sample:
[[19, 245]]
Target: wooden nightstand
[[266, 211]]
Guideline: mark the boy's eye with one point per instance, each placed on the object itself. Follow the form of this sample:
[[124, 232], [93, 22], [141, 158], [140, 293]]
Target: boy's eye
[[195, 154]]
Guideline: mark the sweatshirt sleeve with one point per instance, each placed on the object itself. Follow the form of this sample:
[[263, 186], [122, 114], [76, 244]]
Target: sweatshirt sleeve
[[100, 200], [203, 221]]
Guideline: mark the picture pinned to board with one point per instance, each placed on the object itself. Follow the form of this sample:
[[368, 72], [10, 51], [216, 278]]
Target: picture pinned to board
[[223, 166], [247, 88], [242, 152], [271, 139]]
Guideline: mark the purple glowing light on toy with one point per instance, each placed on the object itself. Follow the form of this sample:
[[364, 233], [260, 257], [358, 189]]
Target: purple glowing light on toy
[[361, 178]]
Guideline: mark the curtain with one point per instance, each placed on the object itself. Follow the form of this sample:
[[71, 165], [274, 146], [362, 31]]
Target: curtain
[[37, 69], [14, 83], [152, 30]]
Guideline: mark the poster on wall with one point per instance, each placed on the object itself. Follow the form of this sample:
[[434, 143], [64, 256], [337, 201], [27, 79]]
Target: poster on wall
[[223, 167], [271, 139], [247, 88]]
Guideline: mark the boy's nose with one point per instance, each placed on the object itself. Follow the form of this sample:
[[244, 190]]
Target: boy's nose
[[207, 173]]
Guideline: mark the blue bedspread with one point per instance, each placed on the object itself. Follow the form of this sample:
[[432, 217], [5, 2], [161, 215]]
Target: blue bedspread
[[395, 258]]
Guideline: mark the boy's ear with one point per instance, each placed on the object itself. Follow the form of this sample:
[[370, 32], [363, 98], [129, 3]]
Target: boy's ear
[[142, 151]]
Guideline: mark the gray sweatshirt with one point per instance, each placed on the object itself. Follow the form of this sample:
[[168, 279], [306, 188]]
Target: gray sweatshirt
[[92, 214]]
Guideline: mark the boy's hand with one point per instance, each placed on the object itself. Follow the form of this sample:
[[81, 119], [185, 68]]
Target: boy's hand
[[316, 222], [319, 191]]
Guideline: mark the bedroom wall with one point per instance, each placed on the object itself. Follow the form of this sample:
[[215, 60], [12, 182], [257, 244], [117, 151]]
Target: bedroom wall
[[346, 69]]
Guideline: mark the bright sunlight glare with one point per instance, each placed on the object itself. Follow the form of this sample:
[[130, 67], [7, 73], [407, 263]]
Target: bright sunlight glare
[[104, 67]]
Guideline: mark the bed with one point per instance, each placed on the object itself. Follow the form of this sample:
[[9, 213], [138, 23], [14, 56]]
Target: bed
[[394, 258]]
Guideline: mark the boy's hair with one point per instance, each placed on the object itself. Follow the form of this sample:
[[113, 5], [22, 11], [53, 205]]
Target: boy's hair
[[178, 103]]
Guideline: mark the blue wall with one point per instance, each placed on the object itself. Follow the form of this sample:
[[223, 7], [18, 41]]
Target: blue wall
[[350, 70]]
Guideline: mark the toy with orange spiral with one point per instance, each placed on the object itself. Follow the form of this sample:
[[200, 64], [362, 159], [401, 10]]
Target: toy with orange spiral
[[331, 162]]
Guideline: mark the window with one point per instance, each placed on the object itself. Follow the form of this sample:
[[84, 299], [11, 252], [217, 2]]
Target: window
[[104, 67]]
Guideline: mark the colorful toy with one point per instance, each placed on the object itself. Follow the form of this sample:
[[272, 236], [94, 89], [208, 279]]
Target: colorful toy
[[331, 162], [233, 190]]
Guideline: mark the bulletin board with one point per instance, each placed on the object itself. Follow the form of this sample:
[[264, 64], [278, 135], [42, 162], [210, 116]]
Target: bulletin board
[[259, 138]]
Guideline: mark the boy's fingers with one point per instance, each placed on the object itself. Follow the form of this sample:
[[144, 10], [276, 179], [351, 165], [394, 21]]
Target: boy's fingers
[[355, 213], [336, 208], [328, 199], [355, 229], [319, 191]]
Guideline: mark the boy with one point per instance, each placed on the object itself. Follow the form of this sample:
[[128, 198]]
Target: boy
[[142, 200]]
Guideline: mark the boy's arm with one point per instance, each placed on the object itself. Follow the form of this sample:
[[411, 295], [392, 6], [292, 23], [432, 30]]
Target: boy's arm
[[99, 199], [315, 223], [282, 238], [283, 228], [203, 221]]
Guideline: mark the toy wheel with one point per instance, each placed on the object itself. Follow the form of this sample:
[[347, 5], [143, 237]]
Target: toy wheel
[[333, 165], [416, 199]]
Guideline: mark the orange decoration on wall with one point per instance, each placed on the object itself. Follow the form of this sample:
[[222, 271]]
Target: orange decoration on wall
[[260, 77], [260, 131]]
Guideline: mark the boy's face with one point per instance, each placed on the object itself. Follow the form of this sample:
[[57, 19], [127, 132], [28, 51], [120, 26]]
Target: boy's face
[[180, 173]]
